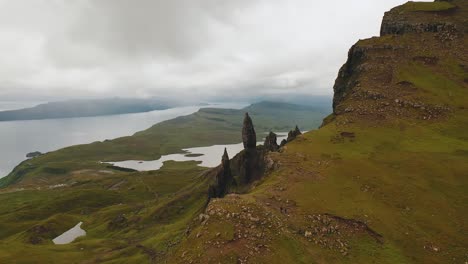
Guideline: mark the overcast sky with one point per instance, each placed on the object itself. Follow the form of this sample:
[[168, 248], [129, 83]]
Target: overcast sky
[[201, 48]]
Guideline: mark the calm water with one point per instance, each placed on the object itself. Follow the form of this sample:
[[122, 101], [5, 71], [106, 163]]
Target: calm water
[[17, 138], [210, 156], [70, 235]]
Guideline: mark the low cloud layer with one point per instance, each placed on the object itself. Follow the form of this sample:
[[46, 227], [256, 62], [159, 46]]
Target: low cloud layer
[[203, 48]]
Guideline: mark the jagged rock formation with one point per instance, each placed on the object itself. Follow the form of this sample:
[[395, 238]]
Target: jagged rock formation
[[270, 142], [245, 167], [249, 138], [293, 134], [283, 142], [224, 178]]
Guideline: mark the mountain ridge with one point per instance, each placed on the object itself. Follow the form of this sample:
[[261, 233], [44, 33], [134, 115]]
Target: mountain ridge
[[86, 108]]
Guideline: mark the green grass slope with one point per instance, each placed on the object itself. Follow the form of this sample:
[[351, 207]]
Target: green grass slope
[[129, 217], [30, 219], [384, 180]]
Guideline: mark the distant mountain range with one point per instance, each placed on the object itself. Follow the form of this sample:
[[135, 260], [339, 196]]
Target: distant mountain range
[[87, 108]]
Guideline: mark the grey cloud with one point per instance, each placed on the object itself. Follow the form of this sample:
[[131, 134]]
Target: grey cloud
[[205, 48]]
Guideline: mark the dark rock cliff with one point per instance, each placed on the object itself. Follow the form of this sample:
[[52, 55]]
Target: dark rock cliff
[[381, 77], [418, 17]]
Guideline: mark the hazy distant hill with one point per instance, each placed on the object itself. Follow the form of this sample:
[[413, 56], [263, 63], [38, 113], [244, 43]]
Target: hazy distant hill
[[84, 108]]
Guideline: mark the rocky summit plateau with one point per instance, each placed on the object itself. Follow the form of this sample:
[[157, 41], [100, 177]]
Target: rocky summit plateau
[[382, 179]]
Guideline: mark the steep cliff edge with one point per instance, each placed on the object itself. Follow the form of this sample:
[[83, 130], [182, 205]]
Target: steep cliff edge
[[416, 69], [384, 179]]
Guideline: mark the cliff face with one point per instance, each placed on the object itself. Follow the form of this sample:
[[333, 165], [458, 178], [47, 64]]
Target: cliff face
[[383, 78], [433, 17]]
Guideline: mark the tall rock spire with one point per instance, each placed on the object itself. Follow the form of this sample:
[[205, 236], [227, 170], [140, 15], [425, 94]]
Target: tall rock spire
[[225, 160], [223, 178], [249, 138]]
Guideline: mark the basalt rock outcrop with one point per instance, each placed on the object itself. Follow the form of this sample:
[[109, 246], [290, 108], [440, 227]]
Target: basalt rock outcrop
[[270, 143], [430, 18], [247, 166], [381, 77], [249, 161], [249, 137], [293, 134], [224, 178]]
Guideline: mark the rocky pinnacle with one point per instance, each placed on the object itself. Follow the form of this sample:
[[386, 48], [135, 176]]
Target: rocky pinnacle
[[225, 160], [249, 138]]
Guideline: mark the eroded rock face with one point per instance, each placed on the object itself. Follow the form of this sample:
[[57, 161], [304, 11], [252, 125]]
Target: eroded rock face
[[374, 83], [348, 75], [249, 137], [270, 142], [224, 179], [250, 165], [395, 27], [409, 19]]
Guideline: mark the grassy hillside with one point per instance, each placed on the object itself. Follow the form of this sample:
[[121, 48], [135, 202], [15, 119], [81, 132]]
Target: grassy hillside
[[384, 180], [154, 210], [129, 217]]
